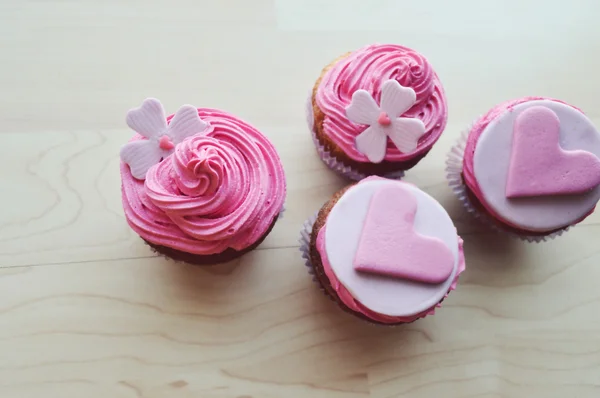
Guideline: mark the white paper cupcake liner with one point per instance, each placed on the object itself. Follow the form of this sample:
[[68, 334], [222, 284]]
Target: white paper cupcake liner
[[454, 169], [330, 160], [304, 240]]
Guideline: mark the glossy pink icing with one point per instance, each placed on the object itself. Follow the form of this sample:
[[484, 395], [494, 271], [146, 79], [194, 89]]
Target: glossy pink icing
[[472, 140], [348, 299], [539, 166], [388, 235], [220, 189], [368, 69]]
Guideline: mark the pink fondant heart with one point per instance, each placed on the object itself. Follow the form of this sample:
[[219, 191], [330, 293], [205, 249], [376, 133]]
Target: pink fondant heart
[[539, 166], [384, 119], [390, 246], [165, 143]]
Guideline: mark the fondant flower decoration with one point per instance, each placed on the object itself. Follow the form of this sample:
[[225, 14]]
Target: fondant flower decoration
[[150, 121], [385, 121]]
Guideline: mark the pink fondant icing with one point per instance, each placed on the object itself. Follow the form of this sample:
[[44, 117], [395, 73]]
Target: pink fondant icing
[[381, 298], [348, 299], [535, 215], [368, 69], [538, 164], [389, 244], [220, 189], [474, 134]]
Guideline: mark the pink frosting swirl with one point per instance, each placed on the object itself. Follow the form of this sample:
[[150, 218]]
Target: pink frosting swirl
[[199, 165], [367, 69], [220, 189]]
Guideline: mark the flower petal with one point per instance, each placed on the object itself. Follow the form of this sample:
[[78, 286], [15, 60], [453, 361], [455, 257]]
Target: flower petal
[[396, 99], [405, 133], [185, 123], [363, 109], [149, 119], [140, 155], [372, 143]]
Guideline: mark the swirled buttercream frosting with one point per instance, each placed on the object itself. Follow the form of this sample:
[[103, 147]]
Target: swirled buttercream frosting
[[220, 188], [369, 68]]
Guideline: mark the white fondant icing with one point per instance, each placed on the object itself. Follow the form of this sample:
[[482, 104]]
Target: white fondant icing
[[149, 120], [331, 161], [491, 163], [388, 296], [385, 121]]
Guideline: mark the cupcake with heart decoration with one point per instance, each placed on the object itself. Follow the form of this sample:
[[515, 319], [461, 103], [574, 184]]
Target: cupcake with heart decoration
[[376, 111], [384, 251], [201, 185], [529, 167]]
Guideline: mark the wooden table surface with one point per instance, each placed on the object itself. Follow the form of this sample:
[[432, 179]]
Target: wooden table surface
[[88, 311]]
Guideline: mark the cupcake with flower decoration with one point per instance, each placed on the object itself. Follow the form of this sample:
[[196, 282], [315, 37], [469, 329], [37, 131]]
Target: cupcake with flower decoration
[[200, 186], [376, 111]]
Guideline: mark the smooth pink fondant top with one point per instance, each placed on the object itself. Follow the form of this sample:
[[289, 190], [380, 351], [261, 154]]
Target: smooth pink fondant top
[[368, 68], [355, 305], [473, 138], [474, 134], [220, 189], [411, 293]]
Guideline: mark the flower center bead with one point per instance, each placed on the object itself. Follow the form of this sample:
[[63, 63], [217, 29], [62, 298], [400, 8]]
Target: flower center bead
[[384, 119], [165, 143]]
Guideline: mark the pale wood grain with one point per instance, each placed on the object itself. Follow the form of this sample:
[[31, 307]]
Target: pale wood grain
[[88, 310]]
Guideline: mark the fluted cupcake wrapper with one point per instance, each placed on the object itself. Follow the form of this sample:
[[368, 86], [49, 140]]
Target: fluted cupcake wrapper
[[304, 240], [330, 160], [454, 170]]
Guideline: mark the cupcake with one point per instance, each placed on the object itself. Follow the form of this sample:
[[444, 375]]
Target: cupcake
[[200, 186], [529, 167], [384, 251], [376, 111]]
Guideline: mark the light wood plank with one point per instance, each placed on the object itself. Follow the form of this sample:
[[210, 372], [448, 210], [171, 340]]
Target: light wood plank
[[258, 326]]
